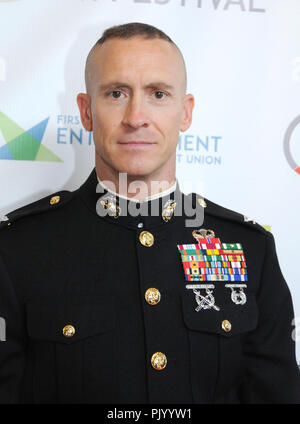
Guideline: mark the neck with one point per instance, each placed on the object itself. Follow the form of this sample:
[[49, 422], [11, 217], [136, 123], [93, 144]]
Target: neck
[[138, 188]]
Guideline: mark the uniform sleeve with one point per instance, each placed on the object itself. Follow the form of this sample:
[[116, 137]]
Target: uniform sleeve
[[12, 345], [272, 374]]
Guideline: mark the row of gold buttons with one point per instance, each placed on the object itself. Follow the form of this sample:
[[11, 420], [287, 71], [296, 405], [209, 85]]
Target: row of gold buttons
[[153, 296]]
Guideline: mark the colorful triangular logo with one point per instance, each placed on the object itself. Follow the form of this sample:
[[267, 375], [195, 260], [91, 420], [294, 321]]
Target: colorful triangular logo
[[24, 145]]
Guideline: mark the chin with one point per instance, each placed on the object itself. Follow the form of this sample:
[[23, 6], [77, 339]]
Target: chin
[[136, 173]]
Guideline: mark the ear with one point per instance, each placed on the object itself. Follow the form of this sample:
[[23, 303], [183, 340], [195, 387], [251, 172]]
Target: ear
[[188, 106], [84, 104]]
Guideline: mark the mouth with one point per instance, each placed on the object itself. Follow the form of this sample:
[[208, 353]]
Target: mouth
[[136, 143]]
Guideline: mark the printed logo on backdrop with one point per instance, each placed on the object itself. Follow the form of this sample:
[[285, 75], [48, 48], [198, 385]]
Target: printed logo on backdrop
[[288, 139], [199, 150], [70, 131], [24, 145], [255, 6]]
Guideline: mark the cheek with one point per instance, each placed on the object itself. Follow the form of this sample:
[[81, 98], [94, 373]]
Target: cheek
[[170, 117], [105, 122], [169, 124]]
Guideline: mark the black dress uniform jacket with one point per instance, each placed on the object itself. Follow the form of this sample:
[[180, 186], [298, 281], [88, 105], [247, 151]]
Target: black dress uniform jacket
[[62, 264]]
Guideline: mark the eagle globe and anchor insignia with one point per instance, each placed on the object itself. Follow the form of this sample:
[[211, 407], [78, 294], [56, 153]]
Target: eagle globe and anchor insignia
[[211, 260]]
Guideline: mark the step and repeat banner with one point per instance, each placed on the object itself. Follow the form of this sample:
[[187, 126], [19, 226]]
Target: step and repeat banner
[[243, 60]]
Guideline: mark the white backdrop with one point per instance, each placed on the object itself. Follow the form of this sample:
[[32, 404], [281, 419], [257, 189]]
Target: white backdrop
[[243, 60]]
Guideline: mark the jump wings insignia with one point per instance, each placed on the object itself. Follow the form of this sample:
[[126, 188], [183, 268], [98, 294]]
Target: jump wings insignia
[[211, 260]]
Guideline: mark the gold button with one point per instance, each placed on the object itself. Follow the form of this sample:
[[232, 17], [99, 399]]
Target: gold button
[[152, 296], [159, 361], [54, 200], [68, 331], [146, 238], [226, 325]]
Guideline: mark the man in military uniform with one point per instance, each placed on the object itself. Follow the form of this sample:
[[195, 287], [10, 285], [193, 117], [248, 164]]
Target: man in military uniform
[[106, 306]]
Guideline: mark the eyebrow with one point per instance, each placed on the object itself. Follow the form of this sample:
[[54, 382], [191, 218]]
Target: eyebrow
[[119, 84]]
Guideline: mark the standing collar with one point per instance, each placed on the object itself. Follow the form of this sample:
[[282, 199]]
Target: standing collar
[[153, 197], [146, 214]]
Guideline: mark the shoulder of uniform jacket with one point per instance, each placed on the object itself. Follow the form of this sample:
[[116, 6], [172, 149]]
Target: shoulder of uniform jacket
[[48, 203], [214, 209]]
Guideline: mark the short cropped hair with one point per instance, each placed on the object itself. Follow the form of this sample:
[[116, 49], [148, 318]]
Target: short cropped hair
[[126, 31], [133, 29]]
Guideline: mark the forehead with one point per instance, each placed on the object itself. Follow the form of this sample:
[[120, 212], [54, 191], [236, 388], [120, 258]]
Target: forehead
[[136, 59]]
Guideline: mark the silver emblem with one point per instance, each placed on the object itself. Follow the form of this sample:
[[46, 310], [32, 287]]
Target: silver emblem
[[204, 302], [109, 202], [168, 210], [238, 296]]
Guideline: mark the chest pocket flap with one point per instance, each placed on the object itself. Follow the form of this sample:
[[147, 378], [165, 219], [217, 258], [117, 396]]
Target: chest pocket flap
[[88, 315], [231, 320]]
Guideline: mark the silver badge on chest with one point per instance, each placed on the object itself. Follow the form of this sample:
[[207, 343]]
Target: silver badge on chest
[[204, 302], [238, 296]]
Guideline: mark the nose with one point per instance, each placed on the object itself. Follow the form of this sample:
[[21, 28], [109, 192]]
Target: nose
[[135, 115]]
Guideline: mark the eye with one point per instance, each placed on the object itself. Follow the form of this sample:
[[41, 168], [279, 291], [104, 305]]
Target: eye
[[160, 94], [116, 94]]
